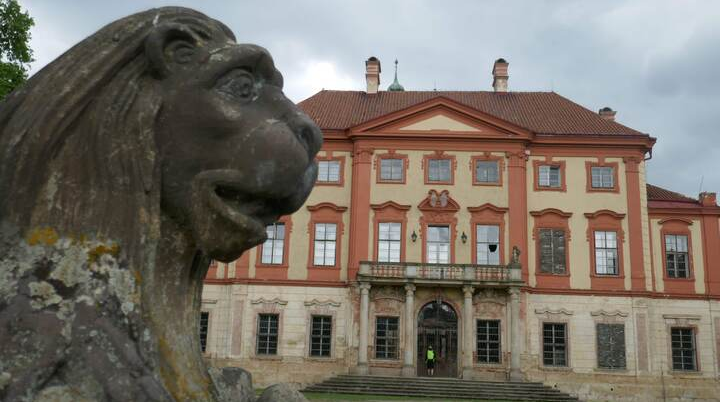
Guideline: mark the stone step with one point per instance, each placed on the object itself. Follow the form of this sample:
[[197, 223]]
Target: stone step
[[464, 387], [440, 387], [447, 394]]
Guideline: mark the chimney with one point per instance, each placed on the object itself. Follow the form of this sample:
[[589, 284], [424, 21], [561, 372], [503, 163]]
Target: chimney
[[372, 74], [708, 199], [500, 75], [607, 113]]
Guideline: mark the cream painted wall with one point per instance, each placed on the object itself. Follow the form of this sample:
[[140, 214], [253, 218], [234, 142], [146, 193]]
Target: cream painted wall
[[414, 191], [298, 249], [698, 264], [647, 252], [440, 122], [578, 201]]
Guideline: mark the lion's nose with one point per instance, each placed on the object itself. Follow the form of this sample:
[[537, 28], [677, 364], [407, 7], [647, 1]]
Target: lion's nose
[[309, 134]]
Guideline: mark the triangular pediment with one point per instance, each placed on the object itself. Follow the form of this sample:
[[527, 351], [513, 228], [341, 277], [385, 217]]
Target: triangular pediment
[[440, 116]]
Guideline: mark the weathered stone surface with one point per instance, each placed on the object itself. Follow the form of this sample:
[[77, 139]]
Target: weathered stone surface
[[281, 393], [233, 383], [126, 165]]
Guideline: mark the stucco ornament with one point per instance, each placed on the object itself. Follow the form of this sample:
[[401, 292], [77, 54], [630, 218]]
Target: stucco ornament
[[126, 165]]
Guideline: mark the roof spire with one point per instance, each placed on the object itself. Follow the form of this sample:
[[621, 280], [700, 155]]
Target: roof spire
[[395, 86]]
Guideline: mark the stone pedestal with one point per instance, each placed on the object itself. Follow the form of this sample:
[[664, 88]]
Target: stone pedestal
[[409, 369]]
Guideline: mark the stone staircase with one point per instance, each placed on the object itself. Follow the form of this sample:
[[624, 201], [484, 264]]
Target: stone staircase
[[440, 388]]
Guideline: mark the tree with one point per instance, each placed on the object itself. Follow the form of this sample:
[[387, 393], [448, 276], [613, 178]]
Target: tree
[[15, 54]]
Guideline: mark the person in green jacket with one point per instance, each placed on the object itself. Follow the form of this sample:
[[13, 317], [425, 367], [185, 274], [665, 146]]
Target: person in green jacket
[[430, 360]]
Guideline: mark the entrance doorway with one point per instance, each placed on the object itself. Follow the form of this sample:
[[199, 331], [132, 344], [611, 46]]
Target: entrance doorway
[[437, 327]]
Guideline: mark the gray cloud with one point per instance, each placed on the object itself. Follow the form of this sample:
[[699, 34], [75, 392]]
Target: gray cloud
[[656, 62]]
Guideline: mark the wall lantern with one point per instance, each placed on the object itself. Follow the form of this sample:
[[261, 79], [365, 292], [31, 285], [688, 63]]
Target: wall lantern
[[463, 237], [413, 236]]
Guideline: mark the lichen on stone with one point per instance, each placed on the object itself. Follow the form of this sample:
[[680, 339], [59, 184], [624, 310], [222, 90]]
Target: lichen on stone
[[43, 295]]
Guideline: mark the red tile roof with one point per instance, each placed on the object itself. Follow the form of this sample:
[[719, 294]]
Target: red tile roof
[[540, 112], [655, 193]]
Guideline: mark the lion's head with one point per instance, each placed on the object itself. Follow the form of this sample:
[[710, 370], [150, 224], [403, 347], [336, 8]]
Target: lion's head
[[160, 136], [159, 106]]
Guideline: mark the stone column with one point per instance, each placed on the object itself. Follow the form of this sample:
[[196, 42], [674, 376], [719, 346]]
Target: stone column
[[515, 336], [467, 332], [408, 367], [364, 330]]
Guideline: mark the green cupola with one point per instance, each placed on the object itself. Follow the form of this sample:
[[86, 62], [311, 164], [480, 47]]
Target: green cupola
[[395, 86]]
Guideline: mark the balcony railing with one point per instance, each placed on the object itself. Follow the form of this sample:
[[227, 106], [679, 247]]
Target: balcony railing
[[440, 272]]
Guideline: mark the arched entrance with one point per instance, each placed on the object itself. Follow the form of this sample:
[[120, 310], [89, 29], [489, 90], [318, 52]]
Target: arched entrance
[[437, 326]]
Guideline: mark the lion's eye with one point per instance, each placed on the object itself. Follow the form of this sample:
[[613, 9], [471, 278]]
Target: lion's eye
[[239, 84]]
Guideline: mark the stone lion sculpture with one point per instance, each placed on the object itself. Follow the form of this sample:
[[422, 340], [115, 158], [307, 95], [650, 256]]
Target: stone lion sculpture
[[149, 148]]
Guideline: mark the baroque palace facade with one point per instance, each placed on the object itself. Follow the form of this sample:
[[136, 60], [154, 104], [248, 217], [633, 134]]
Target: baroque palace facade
[[512, 231]]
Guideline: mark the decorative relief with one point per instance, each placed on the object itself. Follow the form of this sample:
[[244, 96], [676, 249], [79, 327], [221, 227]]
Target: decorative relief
[[603, 313], [487, 295], [387, 306], [324, 303], [276, 301], [546, 310], [388, 292]]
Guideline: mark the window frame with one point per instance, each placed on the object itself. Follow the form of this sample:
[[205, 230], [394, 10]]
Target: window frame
[[566, 345], [598, 344], [498, 342], [551, 218], [206, 340], [675, 253], [616, 270], [696, 361], [328, 337], [399, 242], [589, 165], [390, 155], [488, 214], [677, 226], [258, 334], [498, 251], [549, 162], [341, 173], [474, 161], [439, 155], [262, 247], [325, 212], [427, 243], [396, 338], [325, 242]]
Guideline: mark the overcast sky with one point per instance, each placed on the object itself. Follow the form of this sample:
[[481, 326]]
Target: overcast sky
[[656, 62]]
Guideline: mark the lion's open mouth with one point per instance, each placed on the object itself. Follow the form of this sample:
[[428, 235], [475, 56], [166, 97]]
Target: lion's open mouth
[[261, 209]]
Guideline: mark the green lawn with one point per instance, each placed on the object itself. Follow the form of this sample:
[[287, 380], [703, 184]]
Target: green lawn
[[321, 396]]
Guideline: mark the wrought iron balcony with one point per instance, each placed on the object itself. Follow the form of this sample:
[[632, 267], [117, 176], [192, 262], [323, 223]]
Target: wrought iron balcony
[[441, 274]]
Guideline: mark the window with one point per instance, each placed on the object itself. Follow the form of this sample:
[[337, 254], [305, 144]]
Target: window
[[552, 251], [325, 237], [682, 342], [486, 172], [488, 244], [549, 176], [606, 256], [438, 244], [329, 171], [439, 170], [321, 336], [204, 321], [267, 334], [610, 345], [488, 341], [272, 249], [602, 177], [391, 169], [676, 256], [389, 241], [386, 338], [554, 344]]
